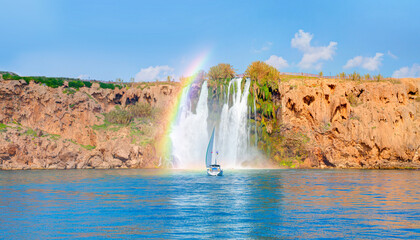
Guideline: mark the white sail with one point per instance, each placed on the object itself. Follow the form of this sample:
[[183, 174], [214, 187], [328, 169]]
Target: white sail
[[209, 153]]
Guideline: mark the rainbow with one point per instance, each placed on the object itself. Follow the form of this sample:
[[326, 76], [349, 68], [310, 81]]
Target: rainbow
[[164, 144]]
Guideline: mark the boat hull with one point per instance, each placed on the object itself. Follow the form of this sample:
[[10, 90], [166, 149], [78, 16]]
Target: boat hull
[[214, 171]]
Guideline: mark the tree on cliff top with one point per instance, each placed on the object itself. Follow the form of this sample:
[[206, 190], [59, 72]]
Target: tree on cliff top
[[221, 71], [262, 71]]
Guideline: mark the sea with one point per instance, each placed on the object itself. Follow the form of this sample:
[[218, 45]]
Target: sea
[[188, 204]]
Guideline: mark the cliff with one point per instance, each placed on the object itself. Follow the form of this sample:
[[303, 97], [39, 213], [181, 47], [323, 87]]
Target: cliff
[[307, 123], [352, 124], [61, 128]]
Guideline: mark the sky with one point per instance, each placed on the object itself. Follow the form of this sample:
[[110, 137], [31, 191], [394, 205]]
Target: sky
[[149, 40]]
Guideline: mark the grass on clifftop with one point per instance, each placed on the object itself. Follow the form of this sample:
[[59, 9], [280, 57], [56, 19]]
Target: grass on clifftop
[[76, 84], [56, 82]]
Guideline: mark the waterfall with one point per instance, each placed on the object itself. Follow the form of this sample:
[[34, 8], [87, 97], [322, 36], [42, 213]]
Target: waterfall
[[190, 134], [233, 136], [255, 121]]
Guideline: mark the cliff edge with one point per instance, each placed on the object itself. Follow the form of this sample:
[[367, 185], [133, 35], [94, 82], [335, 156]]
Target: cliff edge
[[354, 124], [62, 128], [310, 123]]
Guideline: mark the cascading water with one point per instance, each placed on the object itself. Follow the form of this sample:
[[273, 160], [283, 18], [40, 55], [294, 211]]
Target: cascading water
[[190, 134], [233, 136]]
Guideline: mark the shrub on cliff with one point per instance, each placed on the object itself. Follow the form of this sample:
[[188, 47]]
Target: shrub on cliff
[[262, 73], [9, 76], [76, 84], [221, 71], [355, 76], [118, 116], [69, 91], [87, 84], [141, 109], [50, 82], [106, 85]]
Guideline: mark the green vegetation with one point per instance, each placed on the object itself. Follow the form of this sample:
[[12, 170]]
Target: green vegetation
[[54, 136], [221, 71], [106, 85], [355, 76], [3, 127], [326, 127], [353, 100], [69, 91], [31, 132], [103, 126], [87, 84], [11, 76], [283, 145], [378, 77], [90, 96], [143, 85], [342, 75], [126, 116], [137, 119], [141, 109], [48, 81], [118, 116], [87, 147], [263, 73], [290, 148], [76, 84], [264, 90]]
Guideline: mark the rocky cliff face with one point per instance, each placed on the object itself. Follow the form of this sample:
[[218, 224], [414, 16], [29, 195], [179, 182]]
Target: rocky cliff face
[[45, 127], [319, 123], [354, 124]]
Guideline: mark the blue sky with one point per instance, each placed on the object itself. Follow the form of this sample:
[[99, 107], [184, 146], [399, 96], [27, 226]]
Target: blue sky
[[151, 39]]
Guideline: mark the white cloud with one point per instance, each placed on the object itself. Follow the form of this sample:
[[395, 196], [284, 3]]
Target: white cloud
[[83, 76], [153, 73], [265, 47], [392, 55], [312, 56], [407, 72], [277, 62], [368, 63]]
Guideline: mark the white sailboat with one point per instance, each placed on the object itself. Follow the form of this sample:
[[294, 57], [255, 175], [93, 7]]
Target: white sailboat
[[213, 169]]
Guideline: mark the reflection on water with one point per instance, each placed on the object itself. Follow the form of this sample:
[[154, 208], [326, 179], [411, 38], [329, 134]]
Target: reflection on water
[[188, 204]]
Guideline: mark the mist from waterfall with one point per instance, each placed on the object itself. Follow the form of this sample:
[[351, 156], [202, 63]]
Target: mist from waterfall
[[190, 134]]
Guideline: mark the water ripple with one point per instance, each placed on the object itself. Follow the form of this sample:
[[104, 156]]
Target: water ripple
[[243, 204]]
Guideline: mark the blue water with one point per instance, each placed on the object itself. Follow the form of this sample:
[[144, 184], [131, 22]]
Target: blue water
[[243, 204]]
